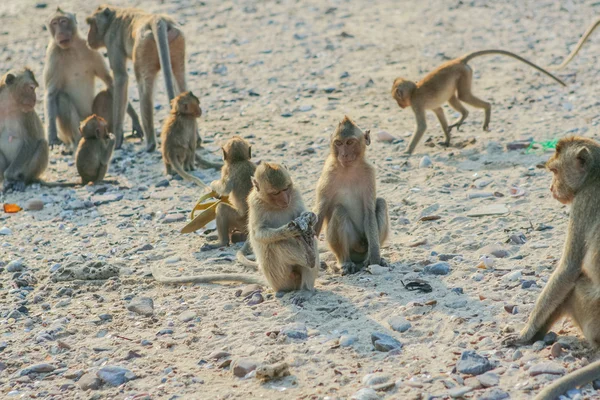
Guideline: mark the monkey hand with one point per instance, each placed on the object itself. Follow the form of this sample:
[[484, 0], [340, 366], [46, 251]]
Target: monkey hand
[[15, 186]]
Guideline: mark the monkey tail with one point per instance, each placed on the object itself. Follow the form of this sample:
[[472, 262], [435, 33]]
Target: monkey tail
[[241, 256], [207, 164], [205, 278], [179, 169], [159, 29], [587, 33], [570, 381], [466, 58], [57, 184]]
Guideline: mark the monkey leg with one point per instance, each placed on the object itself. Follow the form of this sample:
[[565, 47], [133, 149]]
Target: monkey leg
[[30, 163], [3, 166], [583, 306], [439, 112], [228, 219], [177, 50], [146, 66], [463, 88], [420, 130], [68, 121], [383, 222], [464, 113], [343, 237]]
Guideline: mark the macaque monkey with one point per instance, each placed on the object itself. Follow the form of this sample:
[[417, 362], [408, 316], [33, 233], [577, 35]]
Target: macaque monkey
[[235, 182], [357, 220], [70, 71], [153, 42], [450, 82], [574, 287], [95, 149], [179, 137], [587, 34], [23, 148]]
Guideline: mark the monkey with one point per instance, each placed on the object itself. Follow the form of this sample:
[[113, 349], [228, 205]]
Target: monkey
[[236, 182], [281, 231], [23, 147], [357, 221], [587, 34], [153, 42], [450, 82], [70, 70], [573, 288], [95, 149], [179, 137]]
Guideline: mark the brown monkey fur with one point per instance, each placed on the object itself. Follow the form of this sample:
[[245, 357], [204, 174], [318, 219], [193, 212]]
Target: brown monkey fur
[[235, 182], [287, 257], [153, 42], [585, 36], [95, 149], [70, 71], [450, 82], [357, 221], [179, 137], [23, 148], [573, 287]]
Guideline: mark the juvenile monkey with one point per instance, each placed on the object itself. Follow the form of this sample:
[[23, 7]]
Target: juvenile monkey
[[573, 288], [357, 220], [179, 137], [587, 34], [23, 148], [153, 42], [95, 149], [450, 82], [70, 70], [281, 232], [236, 182]]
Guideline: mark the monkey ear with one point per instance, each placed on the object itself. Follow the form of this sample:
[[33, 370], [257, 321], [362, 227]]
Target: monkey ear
[[10, 78], [107, 12], [89, 20], [255, 184], [584, 156], [224, 153], [368, 137], [249, 152], [98, 133]]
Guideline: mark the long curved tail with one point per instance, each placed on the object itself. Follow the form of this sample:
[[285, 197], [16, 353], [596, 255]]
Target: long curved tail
[[205, 278], [570, 381], [242, 258], [466, 58], [587, 34], [189, 177], [159, 29]]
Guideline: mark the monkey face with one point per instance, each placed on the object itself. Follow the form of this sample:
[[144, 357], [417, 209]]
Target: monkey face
[[62, 29], [99, 22], [569, 166], [22, 87], [281, 198], [402, 92]]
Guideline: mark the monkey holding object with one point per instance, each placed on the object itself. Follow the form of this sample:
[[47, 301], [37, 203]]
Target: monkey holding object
[[235, 182], [450, 82], [95, 149], [357, 221], [153, 42], [70, 70], [574, 287]]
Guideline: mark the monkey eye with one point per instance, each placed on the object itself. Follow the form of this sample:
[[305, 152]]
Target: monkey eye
[[351, 142], [338, 142]]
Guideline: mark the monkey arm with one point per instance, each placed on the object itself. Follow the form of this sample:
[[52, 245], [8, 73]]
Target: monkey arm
[[221, 187], [560, 284], [51, 113], [321, 209], [372, 233], [267, 235], [420, 129], [118, 63], [108, 150]]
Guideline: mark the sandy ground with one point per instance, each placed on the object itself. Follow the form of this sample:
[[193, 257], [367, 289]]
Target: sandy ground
[[282, 74]]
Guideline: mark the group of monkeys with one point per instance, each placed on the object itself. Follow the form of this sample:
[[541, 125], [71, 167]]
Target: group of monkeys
[[262, 200]]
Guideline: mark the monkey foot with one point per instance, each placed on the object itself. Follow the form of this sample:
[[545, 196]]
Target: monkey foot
[[513, 340], [209, 247], [15, 186], [486, 128], [349, 268], [150, 147], [299, 299]]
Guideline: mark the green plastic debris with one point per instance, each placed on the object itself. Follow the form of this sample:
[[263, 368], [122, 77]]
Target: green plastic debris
[[547, 145]]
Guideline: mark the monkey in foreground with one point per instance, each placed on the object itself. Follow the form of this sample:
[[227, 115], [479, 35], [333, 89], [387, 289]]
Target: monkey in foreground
[[236, 182], [23, 148], [179, 137], [450, 82], [357, 221], [281, 232], [573, 288], [70, 70], [153, 42], [587, 34], [95, 149]]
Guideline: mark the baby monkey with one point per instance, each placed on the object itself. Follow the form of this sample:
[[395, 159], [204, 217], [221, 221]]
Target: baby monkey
[[574, 287], [450, 82], [95, 149], [236, 182]]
